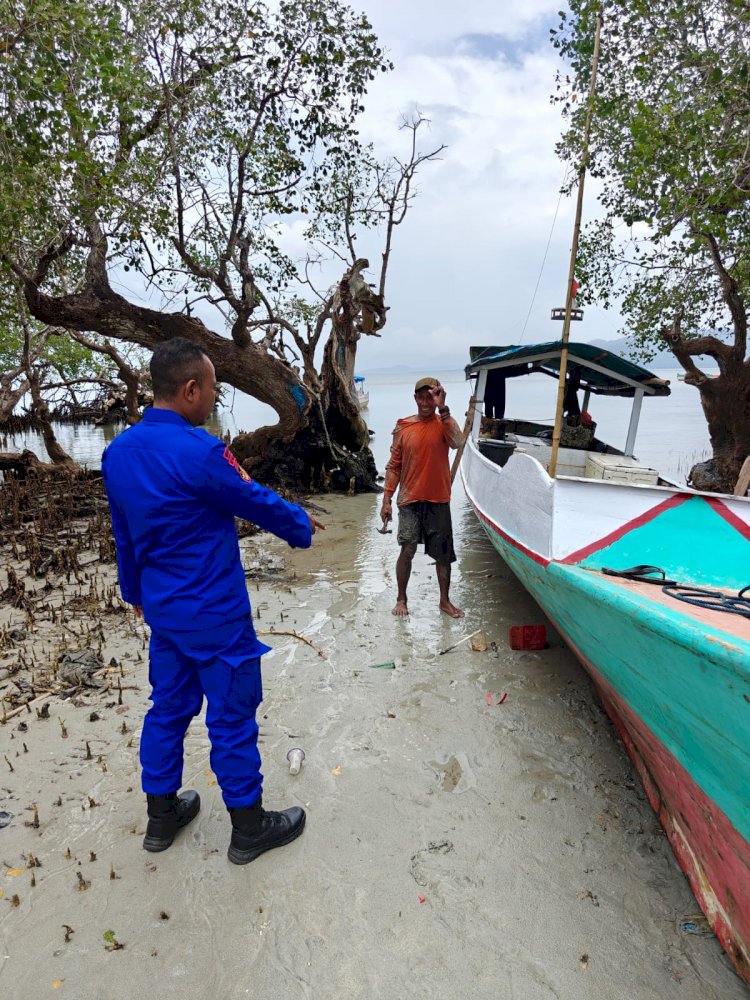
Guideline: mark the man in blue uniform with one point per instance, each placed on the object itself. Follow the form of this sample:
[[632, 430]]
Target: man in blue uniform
[[174, 492]]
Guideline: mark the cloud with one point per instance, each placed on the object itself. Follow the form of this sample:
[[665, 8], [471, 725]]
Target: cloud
[[420, 24], [467, 259], [466, 262]]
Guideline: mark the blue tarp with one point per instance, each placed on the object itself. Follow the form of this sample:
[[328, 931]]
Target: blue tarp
[[608, 378]]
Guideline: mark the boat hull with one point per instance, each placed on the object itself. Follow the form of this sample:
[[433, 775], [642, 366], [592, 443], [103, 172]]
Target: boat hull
[[676, 683]]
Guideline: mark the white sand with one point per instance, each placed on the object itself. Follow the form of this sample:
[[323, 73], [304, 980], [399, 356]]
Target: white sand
[[542, 870]]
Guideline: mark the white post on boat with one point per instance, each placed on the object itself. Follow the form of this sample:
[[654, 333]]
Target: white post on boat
[[635, 415], [479, 404], [573, 254]]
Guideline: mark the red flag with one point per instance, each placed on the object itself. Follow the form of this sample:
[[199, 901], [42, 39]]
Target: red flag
[[575, 286]]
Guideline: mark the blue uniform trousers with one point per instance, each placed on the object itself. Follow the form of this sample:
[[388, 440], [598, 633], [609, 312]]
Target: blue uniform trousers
[[223, 665]]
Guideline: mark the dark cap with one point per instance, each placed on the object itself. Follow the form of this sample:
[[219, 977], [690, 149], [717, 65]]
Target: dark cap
[[426, 383]]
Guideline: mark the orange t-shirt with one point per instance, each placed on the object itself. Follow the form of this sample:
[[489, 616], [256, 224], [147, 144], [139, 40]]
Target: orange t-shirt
[[419, 459]]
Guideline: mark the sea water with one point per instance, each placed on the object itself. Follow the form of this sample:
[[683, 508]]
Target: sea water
[[672, 432]]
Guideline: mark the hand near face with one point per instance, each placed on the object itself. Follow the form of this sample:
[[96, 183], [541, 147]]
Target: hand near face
[[438, 395]]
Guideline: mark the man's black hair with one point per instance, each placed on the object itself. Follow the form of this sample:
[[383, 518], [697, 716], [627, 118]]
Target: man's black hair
[[174, 363]]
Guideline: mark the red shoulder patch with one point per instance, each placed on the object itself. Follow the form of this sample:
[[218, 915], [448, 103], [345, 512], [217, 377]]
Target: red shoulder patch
[[229, 457]]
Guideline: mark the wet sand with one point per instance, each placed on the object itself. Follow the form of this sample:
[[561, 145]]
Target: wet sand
[[453, 848]]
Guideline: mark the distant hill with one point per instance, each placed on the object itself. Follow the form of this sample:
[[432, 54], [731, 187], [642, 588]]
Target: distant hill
[[662, 359], [393, 370], [406, 370]]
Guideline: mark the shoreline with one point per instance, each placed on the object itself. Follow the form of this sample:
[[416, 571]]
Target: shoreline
[[453, 846]]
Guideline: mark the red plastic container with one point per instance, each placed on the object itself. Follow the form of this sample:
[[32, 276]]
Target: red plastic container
[[528, 637]]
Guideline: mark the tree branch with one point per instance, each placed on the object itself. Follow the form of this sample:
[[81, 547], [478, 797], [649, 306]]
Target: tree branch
[[732, 297], [686, 350], [130, 377]]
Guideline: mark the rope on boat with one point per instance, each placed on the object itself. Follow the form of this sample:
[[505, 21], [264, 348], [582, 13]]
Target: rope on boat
[[712, 599]]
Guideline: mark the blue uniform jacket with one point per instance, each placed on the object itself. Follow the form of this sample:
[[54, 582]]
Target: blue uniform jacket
[[174, 491]]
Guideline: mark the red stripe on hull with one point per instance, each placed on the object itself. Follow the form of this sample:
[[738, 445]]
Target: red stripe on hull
[[729, 516], [649, 515], [712, 853], [504, 535]]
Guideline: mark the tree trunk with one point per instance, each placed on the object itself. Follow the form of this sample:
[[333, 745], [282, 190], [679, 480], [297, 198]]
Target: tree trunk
[[132, 389], [726, 405], [249, 368], [320, 438], [10, 396], [58, 455], [331, 449], [324, 454], [24, 462], [339, 398]]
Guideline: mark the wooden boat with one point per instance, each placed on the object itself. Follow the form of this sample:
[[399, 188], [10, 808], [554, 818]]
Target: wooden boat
[[673, 676], [363, 396]]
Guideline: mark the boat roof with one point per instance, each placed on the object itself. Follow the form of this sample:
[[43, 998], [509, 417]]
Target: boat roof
[[602, 372], [359, 378]]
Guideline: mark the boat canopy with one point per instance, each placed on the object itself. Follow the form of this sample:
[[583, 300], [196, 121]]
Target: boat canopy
[[602, 373], [359, 378]]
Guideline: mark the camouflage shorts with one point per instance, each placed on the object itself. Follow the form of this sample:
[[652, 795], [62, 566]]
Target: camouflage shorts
[[429, 524]]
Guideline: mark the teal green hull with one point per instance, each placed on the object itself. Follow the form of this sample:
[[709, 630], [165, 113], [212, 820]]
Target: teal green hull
[[666, 668], [674, 676], [691, 541], [678, 692]]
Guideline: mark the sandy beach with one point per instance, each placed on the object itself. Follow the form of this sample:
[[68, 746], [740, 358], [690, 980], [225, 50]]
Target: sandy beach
[[459, 843]]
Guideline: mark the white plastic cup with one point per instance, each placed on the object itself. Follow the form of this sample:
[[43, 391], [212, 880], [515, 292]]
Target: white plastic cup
[[295, 757]]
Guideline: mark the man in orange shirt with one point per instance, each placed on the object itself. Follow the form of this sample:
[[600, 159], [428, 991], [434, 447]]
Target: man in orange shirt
[[418, 466]]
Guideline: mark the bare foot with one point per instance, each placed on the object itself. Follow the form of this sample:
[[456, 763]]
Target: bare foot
[[401, 610], [449, 609]]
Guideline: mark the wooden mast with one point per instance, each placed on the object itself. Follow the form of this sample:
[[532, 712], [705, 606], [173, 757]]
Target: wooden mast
[[573, 253]]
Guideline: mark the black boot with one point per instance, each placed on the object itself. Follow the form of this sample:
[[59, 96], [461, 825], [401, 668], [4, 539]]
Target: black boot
[[254, 831], [166, 815]]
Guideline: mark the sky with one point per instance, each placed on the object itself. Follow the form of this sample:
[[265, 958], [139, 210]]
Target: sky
[[467, 259], [484, 252]]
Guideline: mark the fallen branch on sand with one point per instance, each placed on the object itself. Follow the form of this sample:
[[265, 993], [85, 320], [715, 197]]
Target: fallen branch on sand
[[296, 635], [465, 639], [26, 707]]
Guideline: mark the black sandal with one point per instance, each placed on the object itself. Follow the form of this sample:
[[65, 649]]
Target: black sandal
[[643, 574]]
